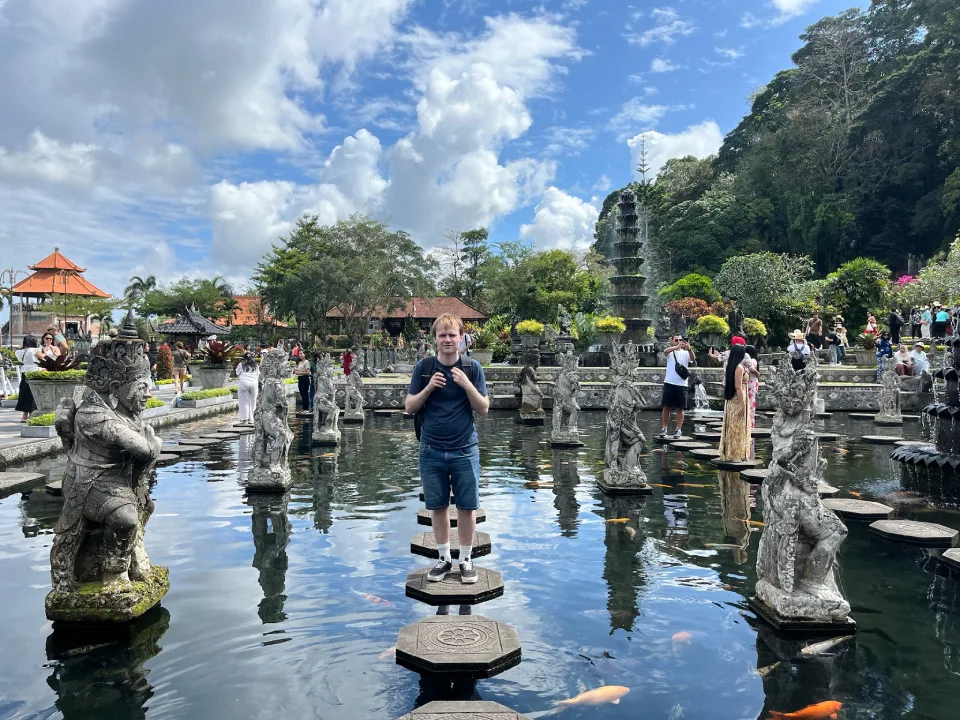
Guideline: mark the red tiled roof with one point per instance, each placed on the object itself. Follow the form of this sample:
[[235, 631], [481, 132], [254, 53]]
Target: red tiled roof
[[248, 313], [57, 274], [426, 309], [56, 261]]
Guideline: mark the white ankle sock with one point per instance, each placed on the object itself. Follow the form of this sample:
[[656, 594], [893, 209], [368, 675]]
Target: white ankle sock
[[465, 551], [444, 551]]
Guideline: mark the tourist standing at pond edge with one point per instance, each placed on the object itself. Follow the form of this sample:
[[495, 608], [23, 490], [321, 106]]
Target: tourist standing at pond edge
[[895, 322], [180, 358], [751, 364], [27, 355], [735, 433], [679, 358], [884, 349], [798, 351], [444, 393], [303, 373], [347, 360], [248, 384]]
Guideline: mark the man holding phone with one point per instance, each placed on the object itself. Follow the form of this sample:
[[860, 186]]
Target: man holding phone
[[679, 358]]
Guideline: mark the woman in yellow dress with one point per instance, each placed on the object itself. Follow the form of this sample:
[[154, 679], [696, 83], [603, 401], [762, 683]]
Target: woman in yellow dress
[[735, 434]]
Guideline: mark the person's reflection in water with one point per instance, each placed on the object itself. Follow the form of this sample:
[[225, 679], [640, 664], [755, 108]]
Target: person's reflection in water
[[270, 525], [98, 672], [530, 453], [735, 510], [565, 481], [623, 568]]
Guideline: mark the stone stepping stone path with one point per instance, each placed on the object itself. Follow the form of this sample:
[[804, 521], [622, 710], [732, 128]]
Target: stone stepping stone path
[[862, 416], [671, 439], [887, 422], [705, 453], [242, 429], [754, 476], [226, 433], [199, 442], [11, 482], [735, 465], [467, 645], [761, 432], [167, 459], [881, 439], [424, 518], [54, 488], [912, 532], [707, 435], [425, 544], [827, 491], [180, 449], [689, 445], [827, 436], [465, 710], [450, 591], [864, 510], [951, 558]]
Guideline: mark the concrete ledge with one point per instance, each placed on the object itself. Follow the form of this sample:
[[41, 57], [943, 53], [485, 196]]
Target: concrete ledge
[[207, 402], [38, 431], [11, 482]]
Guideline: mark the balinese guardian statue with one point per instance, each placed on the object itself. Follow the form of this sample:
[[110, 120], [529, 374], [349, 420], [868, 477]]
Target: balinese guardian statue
[[889, 393], [565, 402], [98, 564], [326, 412], [531, 396], [622, 474], [353, 400], [798, 548], [271, 436]]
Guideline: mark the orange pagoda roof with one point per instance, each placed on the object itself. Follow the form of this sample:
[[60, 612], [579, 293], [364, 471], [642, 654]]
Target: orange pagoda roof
[[57, 274]]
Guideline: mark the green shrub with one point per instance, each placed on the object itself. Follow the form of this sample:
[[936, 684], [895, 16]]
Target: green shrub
[[290, 381], [530, 327], [11, 356], [154, 403], [484, 339], [73, 376], [41, 420], [754, 328], [711, 325], [15, 396], [337, 341], [164, 363], [205, 394], [693, 285], [610, 324]]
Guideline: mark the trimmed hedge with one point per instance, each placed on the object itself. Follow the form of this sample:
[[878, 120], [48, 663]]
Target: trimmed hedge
[[290, 381], [57, 375], [205, 394], [154, 403], [15, 396], [46, 419]]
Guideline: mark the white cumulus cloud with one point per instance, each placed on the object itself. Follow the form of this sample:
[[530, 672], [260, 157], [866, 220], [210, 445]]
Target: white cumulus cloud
[[668, 24], [562, 221], [697, 140], [662, 65]]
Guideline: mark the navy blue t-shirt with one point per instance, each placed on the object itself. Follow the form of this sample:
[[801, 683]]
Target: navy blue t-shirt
[[447, 415]]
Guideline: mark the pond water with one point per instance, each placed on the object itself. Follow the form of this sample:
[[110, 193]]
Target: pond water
[[270, 615]]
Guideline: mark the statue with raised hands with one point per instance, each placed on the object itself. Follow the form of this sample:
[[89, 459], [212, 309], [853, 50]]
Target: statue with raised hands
[[271, 435], [565, 391]]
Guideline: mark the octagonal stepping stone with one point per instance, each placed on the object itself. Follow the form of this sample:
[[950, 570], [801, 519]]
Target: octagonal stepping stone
[[735, 465], [828, 491], [199, 442], [465, 710], [450, 591], [180, 449], [707, 435], [227, 433], [664, 440], [911, 418], [424, 518], [887, 422], [827, 436], [685, 445], [862, 416], [761, 432], [382, 412], [851, 509], [219, 436], [468, 645], [705, 453], [913, 532], [881, 439], [754, 476], [11, 482], [242, 429], [951, 558], [425, 544], [167, 459]]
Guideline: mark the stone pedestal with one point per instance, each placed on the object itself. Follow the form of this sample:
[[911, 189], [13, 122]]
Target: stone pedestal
[[353, 417], [624, 483], [464, 710], [326, 437], [564, 344], [94, 603], [268, 479], [565, 439], [799, 627], [535, 417]]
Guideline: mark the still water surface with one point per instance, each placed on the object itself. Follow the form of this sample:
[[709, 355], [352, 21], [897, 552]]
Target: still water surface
[[267, 618]]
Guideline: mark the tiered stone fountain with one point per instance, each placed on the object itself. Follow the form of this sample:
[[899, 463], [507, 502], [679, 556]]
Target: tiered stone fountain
[[627, 298]]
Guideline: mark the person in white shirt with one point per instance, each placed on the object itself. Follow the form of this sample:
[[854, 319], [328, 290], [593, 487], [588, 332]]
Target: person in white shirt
[[675, 384], [248, 385], [28, 354], [798, 350], [920, 362], [904, 361]]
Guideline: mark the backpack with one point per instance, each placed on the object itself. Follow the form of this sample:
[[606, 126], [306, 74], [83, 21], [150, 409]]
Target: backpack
[[432, 363]]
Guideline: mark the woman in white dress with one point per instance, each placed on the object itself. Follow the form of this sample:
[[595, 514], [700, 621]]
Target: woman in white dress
[[28, 355], [248, 385]]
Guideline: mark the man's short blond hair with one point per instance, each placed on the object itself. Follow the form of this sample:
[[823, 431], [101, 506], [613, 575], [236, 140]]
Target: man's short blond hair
[[446, 320]]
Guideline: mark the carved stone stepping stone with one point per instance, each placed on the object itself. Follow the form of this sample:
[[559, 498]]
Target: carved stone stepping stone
[[735, 465], [862, 416], [11, 482], [754, 476], [887, 422], [242, 429], [450, 591], [668, 439], [851, 509], [425, 544], [54, 488], [180, 449], [951, 558], [761, 432], [226, 433], [707, 435], [423, 516], [167, 459], [468, 645], [827, 491], [827, 436], [466, 710], [689, 445], [705, 453], [881, 439], [219, 437], [199, 442], [913, 532]]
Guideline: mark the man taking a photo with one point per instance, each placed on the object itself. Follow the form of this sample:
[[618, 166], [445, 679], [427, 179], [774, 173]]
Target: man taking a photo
[[679, 357], [444, 393]]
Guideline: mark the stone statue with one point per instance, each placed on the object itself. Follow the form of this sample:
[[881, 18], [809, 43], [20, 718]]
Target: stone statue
[[565, 391], [663, 328], [270, 524], [353, 400], [564, 321], [622, 473], [531, 396], [735, 318], [111, 456], [889, 392], [326, 412], [795, 562], [272, 436]]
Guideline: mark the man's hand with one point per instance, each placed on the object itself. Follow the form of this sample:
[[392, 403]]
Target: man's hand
[[437, 380], [460, 378]]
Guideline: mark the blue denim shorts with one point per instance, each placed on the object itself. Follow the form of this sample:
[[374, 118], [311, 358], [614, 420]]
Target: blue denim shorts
[[443, 470]]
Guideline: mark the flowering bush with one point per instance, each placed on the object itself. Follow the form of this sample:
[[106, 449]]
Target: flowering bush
[[164, 362], [711, 325], [530, 327], [905, 280], [754, 328], [688, 308], [610, 324]]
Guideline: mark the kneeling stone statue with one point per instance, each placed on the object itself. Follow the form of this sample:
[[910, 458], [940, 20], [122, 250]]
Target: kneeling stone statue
[[272, 436], [98, 564]]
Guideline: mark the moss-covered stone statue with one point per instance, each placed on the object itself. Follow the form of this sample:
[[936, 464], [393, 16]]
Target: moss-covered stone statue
[[326, 412], [98, 564], [271, 435]]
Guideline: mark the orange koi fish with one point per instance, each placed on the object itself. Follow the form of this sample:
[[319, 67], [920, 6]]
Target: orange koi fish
[[372, 598], [819, 711], [854, 493], [618, 520], [599, 696], [682, 637]]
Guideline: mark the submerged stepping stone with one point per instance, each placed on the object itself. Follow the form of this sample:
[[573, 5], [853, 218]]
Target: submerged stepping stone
[[881, 439], [464, 710], [951, 558], [707, 435], [665, 440], [450, 591], [827, 436], [425, 544], [424, 518], [913, 532], [167, 459], [468, 645], [887, 422], [11, 482], [761, 432], [705, 453], [199, 442], [54, 488], [829, 491], [862, 416], [754, 476], [180, 449], [735, 465], [850, 509], [685, 445]]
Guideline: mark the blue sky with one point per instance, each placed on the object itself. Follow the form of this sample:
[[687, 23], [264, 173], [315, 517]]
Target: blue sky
[[184, 137]]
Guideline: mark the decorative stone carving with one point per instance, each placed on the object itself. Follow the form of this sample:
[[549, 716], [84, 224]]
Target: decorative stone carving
[[531, 396], [565, 391], [622, 473], [272, 436], [798, 548], [353, 400], [326, 412], [564, 321], [735, 318], [889, 392], [98, 563]]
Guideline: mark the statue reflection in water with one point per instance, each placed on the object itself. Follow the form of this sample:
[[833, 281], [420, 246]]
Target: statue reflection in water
[[675, 508], [270, 525], [565, 480], [735, 511], [98, 671], [623, 567]]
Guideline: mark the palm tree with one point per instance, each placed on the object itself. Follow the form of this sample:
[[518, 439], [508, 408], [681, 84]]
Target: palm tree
[[230, 307], [138, 288], [222, 286], [106, 322]]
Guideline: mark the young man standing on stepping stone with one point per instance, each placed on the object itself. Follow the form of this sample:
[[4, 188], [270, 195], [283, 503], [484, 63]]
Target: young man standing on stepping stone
[[444, 393], [679, 357]]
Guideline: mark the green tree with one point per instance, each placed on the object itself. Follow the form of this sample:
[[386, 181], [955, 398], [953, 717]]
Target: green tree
[[692, 285], [858, 287], [138, 288], [207, 295], [760, 282]]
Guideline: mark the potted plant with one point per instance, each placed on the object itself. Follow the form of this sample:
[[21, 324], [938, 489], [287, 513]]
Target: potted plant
[[609, 329], [866, 351], [10, 401], [711, 330], [155, 407], [755, 331], [58, 379], [39, 426], [219, 359], [530, 332], [483, 342]]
